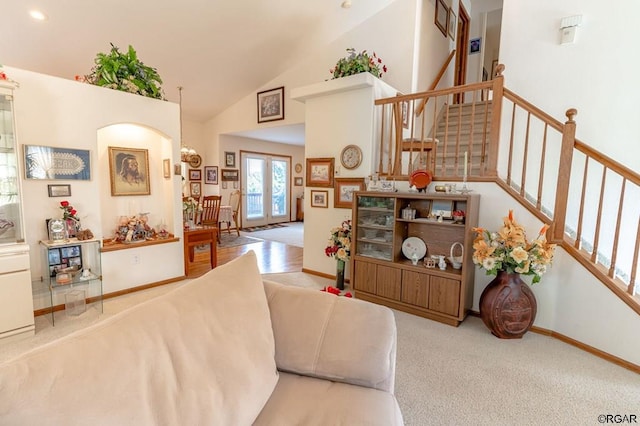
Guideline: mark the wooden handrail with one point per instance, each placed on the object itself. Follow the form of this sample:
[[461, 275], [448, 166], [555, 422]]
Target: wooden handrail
[[436, 80], [609, 163], [434, 93]]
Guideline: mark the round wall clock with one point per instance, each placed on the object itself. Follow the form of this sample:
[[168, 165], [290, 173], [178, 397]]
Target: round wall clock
[[351, 156], [195, 160], [298, 168]]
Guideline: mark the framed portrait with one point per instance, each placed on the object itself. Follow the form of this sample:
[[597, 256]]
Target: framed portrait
[[129, 171], [442, 16], [195, 174], [474, 45], [319, 198], [47, 162], [442, 208], [230, 174], [195, 188], [271, 105], [166, 168], [320, 172], [452, 25], [59, 190], [343, 191], [229, 159], [297, 181], [211, 175], [177, 169]]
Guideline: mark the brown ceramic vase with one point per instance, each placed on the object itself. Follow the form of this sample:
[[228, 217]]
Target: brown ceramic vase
[[508, 306]]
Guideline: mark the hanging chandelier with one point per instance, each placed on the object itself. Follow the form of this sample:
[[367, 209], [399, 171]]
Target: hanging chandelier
[[187, 153]]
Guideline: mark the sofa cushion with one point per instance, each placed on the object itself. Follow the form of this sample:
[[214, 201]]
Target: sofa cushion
[[336, 338], [201, 354], [300, 400]]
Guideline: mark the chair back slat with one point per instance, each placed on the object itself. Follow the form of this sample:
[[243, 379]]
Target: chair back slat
[[211, 209]]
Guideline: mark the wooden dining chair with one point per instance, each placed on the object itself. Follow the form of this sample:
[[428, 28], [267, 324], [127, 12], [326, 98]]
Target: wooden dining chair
[[234, 202], [211, 211]]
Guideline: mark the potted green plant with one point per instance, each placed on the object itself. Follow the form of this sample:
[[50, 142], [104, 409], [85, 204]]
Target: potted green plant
[[124, 71], [355, 63]]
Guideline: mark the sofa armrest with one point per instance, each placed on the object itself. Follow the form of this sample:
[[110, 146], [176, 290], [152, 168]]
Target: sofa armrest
[[341, 339]]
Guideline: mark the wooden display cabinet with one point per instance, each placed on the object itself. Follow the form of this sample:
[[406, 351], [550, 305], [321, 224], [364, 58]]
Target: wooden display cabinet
[[383, 274]]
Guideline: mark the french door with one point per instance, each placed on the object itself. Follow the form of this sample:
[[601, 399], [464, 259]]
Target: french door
[[266, 188]]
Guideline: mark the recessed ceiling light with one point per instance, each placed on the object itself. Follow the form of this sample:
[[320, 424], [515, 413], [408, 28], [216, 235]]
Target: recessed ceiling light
[[37, 15], [346, 4]]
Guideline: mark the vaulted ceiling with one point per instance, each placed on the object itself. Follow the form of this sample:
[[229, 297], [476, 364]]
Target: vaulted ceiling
[[219, 51]]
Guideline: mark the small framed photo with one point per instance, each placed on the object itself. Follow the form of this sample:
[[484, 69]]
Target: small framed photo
[[129, 171], [211, 175], [442, 16], [452, 25], [224, 185], [195, 188], [177, 169], [297, 181], [442, 208], [195, 174], [475, 45], [319, 198], [59, 190], [271, 105], [229, 159], [320, 172], [230, 174], [344, 189], [166, 168]]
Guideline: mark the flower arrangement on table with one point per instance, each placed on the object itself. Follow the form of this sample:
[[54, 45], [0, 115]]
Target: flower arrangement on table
[[355, 63], [508, 250], [189, 208], [68, 212], [339, 245]]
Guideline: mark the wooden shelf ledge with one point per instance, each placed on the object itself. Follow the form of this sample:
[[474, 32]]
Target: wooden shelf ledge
[[109, 245]]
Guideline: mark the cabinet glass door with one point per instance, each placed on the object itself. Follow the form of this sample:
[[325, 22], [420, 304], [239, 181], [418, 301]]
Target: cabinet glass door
[[10, 208]]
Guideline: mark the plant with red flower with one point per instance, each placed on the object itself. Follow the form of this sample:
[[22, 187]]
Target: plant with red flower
[[340, 242], [68, 212], [355, 63]]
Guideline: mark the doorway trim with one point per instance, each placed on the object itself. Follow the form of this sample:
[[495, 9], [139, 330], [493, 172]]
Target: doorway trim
[[462, 51]]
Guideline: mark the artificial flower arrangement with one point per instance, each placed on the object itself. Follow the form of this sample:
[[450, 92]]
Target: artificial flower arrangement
[[336, 291], [355, 63], [190, 206], [340, 242], [68, 212], [508, 250]]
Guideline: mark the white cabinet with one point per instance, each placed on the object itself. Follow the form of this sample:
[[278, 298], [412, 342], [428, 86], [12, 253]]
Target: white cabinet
[[16, 300]]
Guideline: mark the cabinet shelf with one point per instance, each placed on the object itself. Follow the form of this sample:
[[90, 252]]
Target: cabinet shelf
[[382, 274]]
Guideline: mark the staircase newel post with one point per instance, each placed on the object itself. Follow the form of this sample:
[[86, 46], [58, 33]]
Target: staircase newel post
[[496, 117], [564, 176]]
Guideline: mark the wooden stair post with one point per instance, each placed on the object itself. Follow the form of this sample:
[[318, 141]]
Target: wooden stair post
[[564, 175]]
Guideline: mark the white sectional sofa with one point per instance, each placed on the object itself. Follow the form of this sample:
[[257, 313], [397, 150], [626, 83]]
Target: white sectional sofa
[[223, 349]]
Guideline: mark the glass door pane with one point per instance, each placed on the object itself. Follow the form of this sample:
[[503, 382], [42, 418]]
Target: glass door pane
[[266, 183], [280, 189], [255, 179]]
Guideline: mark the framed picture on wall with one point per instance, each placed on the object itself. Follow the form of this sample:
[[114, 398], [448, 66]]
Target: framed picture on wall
[[229, 159], [195, 174], [319, 199], [47, 162], [474, 45], [320, 172], [211, 175], [60, 190], [195, 188], [442, 16], [271, 105], [452, 25], [166, 168], [344, 189], [129, 171], [297, 181]]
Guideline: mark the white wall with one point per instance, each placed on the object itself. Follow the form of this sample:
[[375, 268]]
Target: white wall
[[51, 111], [592, 75]]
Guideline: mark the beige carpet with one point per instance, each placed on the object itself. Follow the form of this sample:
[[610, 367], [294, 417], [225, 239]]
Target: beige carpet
[[292, 233], [455, 376]]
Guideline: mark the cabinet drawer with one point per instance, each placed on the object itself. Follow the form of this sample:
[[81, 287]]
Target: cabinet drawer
[[365, 277], [444, 295], [14, 262], [415, 288]]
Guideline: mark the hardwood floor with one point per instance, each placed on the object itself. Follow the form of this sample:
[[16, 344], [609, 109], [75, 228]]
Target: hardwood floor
[[273, 257]]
